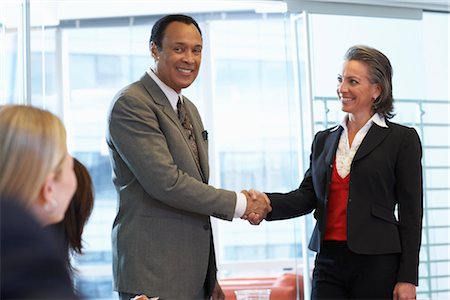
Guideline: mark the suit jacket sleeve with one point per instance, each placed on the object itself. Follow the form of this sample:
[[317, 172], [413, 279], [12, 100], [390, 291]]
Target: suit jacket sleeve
[[296, 203], [139, 132], [410, 205], [293, 204]]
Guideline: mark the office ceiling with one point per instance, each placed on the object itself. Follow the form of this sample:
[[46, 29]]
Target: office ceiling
[[440, 5], [52, 12], [391, 2]]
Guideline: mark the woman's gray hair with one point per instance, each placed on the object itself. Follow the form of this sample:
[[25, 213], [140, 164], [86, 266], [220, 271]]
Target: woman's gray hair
[[380, 72]]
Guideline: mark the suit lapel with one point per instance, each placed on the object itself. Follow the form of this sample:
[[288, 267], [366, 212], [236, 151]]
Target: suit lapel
[[331, 144], [202, 150], [160, 98], [375, 136], [329, 149]]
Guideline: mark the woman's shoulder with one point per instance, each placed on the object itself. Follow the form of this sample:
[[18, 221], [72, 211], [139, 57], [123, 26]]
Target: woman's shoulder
[[400, 128], [325, 132], [404, 133], [323, 136]]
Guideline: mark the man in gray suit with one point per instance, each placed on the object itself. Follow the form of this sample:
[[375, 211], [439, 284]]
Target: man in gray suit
[[162, 238]]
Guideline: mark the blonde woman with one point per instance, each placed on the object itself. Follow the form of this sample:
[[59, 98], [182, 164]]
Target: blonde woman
[[35, 167], [37, 182]]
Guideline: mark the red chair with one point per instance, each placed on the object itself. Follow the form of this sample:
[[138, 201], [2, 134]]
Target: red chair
[[282, 288]]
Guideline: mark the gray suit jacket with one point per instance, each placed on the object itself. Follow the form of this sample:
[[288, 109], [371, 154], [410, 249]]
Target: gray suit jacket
[[161, 237]]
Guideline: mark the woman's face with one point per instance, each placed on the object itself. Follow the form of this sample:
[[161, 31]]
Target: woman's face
[[355, 90], [63, 185]]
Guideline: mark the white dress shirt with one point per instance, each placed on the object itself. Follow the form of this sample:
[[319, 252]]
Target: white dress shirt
[[345, 153]]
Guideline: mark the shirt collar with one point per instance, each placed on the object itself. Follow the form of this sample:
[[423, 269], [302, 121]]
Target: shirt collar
[[380, 120], [170, 93], [376, 118]]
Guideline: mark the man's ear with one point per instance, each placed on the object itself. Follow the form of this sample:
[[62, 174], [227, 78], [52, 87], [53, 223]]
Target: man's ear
[[154, 50]]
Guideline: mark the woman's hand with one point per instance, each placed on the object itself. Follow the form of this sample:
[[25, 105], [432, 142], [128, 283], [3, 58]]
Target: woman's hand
[[404, 291]]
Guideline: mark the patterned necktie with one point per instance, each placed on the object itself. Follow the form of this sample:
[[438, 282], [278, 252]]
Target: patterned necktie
[[187, 125]]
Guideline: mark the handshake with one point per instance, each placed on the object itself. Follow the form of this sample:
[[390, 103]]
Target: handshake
[[258, 206]]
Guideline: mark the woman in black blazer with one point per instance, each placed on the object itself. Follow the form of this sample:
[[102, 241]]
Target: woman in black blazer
[[364, 184]]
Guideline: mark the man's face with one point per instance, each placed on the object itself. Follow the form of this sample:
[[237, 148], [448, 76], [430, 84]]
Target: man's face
[[178, 62]]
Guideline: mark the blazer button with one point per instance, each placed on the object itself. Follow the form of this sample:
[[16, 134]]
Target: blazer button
[[349, 200], [206, 227]]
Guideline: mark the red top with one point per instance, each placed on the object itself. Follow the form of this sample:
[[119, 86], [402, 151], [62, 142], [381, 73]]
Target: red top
[[336, 228]]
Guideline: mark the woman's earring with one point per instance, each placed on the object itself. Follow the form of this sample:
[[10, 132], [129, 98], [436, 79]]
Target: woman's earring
[[377, 100]]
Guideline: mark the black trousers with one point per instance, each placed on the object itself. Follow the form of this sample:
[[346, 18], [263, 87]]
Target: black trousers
[[342, 274]]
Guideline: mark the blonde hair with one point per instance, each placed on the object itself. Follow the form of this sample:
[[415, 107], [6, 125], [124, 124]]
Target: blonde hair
[[32, 145]]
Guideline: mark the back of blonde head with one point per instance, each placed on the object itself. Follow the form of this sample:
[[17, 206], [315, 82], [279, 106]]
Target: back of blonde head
[[32, 145]]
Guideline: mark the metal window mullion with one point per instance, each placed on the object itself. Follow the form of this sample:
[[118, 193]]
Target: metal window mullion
[[26, 52]]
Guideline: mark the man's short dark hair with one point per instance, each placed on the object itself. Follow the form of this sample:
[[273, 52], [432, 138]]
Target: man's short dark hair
[[161, 25]]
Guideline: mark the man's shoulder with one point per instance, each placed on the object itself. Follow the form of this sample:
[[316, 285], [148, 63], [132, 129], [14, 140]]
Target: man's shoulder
[[142, 90]]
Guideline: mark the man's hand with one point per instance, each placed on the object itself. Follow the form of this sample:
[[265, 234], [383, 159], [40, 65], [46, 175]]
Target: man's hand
[[258, 206], [140, 297], [217, 292]]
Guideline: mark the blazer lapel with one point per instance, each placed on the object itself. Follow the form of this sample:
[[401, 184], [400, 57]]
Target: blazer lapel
[[202, 151], [375, 136], [329, 149], [331, 144], [160, 98]]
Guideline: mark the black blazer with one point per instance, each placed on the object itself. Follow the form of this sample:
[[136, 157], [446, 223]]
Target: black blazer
[[385, 175], [31, 264]]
